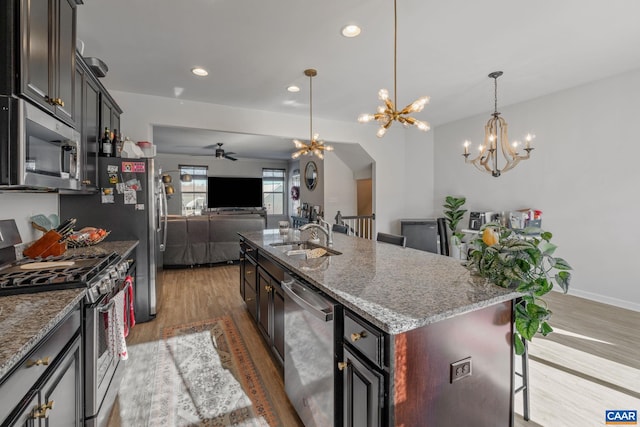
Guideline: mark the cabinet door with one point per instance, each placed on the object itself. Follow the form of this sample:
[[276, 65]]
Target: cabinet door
[[362, 388], [91, 130], [63, 390], [37, 51], [27, 416], [106, 112], [243, 274], [264, 302], [65, 61], [278, 323]]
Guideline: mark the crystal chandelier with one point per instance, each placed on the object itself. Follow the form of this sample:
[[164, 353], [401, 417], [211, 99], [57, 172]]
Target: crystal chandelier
[[387, 112], [495, 133], [316, 145]]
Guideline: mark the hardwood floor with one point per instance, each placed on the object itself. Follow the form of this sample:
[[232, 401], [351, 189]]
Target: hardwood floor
[[194, 294], [589, 364]]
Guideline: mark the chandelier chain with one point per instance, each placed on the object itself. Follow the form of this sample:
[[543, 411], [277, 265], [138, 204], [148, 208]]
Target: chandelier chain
[[395, 52], [495, 95], [310, 108]]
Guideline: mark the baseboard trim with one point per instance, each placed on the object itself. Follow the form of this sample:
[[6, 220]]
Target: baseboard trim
[[629, 305]]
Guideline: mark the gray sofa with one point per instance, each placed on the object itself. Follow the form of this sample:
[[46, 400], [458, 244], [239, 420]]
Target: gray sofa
[[206, 239]]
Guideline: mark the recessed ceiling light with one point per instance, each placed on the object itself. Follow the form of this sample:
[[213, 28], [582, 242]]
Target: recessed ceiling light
[[351, 30], [293, 88], [198, 71]]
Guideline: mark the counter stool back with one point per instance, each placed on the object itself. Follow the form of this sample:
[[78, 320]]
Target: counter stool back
[[338, 228], [394, 239]]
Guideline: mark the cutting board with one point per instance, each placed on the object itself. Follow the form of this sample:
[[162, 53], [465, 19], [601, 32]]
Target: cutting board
[[44, 265]]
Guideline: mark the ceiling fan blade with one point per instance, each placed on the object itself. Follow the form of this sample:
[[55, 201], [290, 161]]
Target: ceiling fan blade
[[208, 147], [229, 157]]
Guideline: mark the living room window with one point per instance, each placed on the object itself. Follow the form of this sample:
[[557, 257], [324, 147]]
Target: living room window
[[193, 192], [273, 190]]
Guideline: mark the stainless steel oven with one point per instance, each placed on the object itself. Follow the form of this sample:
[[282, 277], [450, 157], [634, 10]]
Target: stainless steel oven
[[104, 276], [37, 150], [103, 368]]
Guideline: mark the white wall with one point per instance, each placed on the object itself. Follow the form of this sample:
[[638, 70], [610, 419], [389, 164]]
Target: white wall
[[340, 188], [583, 174], [419, 184], [141, 112], [22, 206]]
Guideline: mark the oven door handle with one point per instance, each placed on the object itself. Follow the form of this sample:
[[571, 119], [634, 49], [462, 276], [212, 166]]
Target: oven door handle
[[108, 306]]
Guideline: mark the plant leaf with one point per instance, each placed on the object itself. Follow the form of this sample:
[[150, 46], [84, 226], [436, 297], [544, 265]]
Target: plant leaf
[[562, 279], [545, 329], [518, 344], [547, 248], [561, 264], [527, 326]]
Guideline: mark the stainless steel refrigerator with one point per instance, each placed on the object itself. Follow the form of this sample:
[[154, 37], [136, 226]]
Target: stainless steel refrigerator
[[132, 205]]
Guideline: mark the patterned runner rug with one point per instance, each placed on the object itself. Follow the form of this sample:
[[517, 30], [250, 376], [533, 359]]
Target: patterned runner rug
[[200, 374]]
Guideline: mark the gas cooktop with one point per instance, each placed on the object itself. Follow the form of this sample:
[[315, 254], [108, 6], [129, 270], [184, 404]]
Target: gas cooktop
[[52, 273]]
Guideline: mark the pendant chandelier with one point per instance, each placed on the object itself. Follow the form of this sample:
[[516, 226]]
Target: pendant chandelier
[[387, 112], [495, 134], [316, 145]]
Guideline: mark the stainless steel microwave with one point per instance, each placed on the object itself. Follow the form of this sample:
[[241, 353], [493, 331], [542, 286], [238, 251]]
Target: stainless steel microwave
[[37, 151]]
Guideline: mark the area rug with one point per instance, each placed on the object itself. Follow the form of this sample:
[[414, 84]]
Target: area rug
[[199, 374]]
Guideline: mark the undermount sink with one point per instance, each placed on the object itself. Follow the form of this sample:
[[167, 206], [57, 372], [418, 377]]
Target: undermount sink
[[304, 249]]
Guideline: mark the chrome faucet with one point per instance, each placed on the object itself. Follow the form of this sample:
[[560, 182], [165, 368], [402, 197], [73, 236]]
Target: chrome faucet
[[324, 226]]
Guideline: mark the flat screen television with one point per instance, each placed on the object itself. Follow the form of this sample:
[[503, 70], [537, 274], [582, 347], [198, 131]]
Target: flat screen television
[[228, 192]]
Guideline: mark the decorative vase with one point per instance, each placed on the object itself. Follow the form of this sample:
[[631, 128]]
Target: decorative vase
[[454, 247]]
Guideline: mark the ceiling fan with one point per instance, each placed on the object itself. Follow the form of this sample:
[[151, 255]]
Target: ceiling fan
[[220, 154]]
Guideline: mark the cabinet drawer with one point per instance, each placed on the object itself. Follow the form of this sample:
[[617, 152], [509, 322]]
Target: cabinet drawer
[[368, 340], [249, 250], [30, 369]]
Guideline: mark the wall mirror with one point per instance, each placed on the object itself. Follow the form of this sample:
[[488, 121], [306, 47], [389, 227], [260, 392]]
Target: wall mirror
[[311, 175]]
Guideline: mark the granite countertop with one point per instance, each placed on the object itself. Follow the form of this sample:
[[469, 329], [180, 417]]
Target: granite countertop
[[26, 319], [122, 248], [397, 289]]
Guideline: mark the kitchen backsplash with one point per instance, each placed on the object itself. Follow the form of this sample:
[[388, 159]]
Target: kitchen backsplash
[[22, 206]]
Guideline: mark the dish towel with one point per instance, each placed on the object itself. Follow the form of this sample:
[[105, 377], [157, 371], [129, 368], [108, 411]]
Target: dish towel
[[117, 326], [130, 318]]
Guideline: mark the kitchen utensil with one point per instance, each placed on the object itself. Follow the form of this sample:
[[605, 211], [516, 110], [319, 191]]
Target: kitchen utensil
[[46, 264], [41, 222], [47, 245]]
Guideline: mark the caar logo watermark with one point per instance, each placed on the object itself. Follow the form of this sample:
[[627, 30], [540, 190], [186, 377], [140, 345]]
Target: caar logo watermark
[[621, 417]]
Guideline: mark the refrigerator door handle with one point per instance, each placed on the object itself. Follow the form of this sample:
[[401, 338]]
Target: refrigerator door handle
[[164, 211]]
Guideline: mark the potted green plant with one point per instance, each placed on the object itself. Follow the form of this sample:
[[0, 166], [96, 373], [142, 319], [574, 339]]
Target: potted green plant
[[453, 214], [527, 264]]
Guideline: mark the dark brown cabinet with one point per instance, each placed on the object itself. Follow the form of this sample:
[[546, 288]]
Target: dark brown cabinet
[[88, 123], [109, 113], [271, 313], [363, 396], [260, 288], [46, 388], [248, 279], [92, 99], [47, 75], [364, 370]]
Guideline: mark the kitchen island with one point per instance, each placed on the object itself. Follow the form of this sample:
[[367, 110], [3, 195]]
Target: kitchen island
[[421, 341]]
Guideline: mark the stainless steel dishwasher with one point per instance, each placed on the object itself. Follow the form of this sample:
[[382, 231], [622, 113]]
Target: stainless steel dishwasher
[[310, 352]]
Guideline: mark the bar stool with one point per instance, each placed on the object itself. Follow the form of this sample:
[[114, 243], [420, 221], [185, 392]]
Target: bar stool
[[524, 374], [392, 238]]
